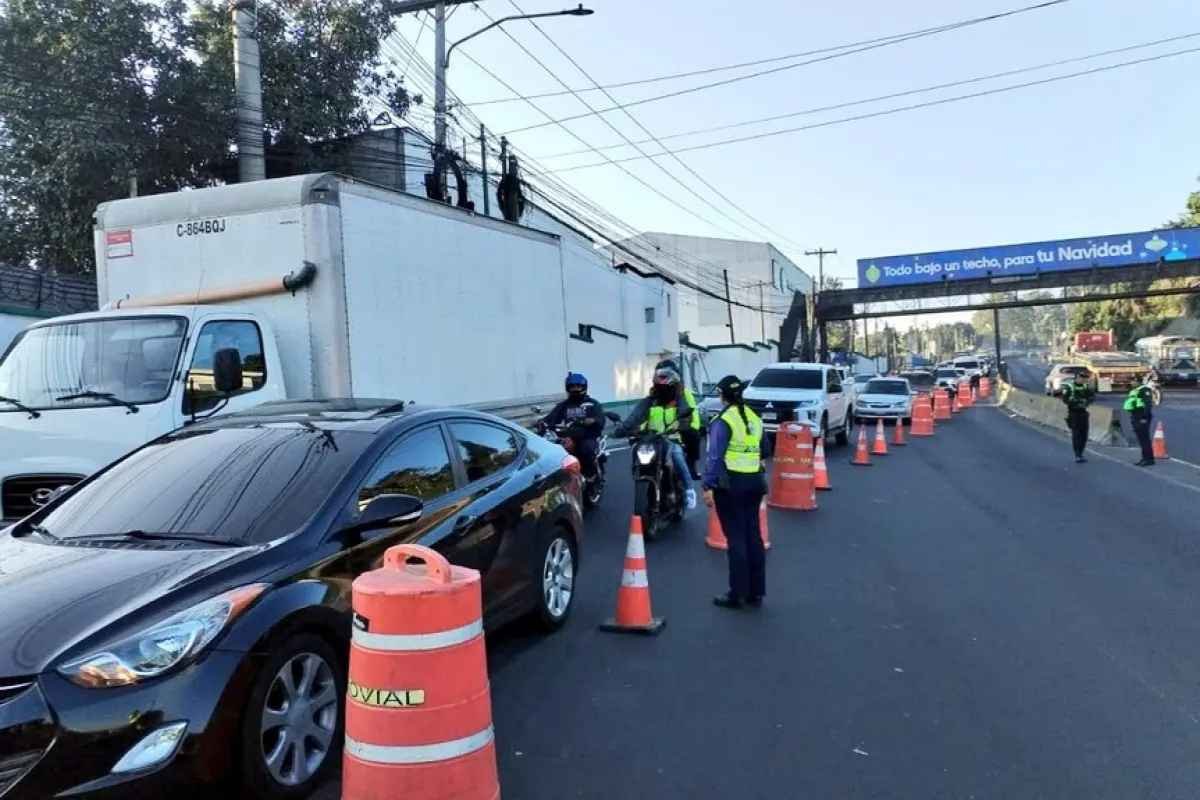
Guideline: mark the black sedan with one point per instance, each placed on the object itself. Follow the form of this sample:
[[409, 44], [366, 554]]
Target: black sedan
[[184, 615]]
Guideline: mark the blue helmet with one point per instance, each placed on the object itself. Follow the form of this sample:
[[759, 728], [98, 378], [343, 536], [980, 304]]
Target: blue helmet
[[575, 379]]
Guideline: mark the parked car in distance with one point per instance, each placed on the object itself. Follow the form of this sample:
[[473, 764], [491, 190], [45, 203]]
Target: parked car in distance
[[971, 366], [884, 398], [948, 378], [1060, 374], [710, 407], [802, 392], [184, 614], [919, 381]]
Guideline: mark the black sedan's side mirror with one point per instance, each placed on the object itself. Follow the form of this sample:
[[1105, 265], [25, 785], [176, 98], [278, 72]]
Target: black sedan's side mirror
[[388, 511]]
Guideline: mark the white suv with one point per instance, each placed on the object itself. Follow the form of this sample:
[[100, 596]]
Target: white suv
[[808, 393]]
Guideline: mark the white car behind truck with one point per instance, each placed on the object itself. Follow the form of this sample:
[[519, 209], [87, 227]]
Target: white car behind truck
[[811, 394], [220, 299]]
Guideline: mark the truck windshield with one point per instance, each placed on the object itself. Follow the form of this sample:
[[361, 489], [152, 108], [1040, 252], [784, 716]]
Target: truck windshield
[[788, 379], [130, 358], [236, 485]]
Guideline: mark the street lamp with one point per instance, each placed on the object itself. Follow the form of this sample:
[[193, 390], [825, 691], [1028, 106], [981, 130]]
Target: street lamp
[[579, 11]]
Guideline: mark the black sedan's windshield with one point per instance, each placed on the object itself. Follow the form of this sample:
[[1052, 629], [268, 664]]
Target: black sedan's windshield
[[238, 485]]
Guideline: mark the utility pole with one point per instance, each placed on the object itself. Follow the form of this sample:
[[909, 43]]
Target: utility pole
[[439, 80], [247, 78], [487, 192], [762, 312], [996, 333], [820, 253], [729, 306]]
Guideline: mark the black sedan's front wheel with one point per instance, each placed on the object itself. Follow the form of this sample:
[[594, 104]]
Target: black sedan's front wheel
[[292, 729]]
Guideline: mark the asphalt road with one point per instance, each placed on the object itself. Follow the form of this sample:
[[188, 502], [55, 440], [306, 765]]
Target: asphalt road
[[1179, 411], [974, 616]]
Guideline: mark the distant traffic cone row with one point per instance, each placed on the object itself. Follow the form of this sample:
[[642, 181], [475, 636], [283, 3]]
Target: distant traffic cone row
[[922, 417], [820, 470], [792, 482], [633, 598], [880, 448], [862, 458], [898, 433], [1160, 441]]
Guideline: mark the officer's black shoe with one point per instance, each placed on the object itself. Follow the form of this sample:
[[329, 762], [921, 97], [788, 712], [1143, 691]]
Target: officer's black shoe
[[1145, 462], [1080, 460], [727, 601]]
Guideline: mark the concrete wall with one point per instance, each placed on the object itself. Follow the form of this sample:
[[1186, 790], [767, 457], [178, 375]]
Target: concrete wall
[[1104, 426]]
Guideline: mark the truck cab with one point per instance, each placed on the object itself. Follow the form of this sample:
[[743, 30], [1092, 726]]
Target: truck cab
[[80, 391]]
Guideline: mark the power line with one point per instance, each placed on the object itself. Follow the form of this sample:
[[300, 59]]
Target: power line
[[728, 81], [646, 131], [901, 109], [893, 95]]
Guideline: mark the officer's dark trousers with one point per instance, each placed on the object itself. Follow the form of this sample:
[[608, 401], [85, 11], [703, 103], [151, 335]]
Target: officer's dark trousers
[[1078, 420], [1141, 427], [737, 508], [691, 446]]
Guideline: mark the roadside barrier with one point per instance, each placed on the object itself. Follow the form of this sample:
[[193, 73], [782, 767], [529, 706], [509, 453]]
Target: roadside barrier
[[633, 598], [792, 483], [820, 469], [764, 534], [922, 420], [418, 710], [1105, 425], [716, 534], [1159, 444], [880, 448], [861, 456], [898, 434], [941, 405]]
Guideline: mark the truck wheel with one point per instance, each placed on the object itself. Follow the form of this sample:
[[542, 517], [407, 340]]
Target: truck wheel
[[843, 435]]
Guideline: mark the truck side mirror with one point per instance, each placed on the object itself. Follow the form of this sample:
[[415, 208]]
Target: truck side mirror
[[227, 371]]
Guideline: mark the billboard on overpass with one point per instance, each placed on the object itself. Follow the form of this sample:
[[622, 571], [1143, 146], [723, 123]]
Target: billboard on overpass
[[1122, 250]]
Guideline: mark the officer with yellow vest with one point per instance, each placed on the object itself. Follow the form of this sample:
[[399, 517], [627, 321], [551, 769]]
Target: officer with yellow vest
[[691, 432], [1139, 404], [734, 483], [667, 411]]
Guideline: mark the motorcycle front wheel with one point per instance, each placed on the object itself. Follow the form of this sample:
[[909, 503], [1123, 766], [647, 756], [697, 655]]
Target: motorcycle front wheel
[[645, 505], [593, 492]]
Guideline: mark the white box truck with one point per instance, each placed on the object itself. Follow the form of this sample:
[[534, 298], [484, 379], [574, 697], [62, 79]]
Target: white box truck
[[219, 299]]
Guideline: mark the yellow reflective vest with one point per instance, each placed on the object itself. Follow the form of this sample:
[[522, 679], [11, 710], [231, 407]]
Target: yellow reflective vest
[[743, 455]]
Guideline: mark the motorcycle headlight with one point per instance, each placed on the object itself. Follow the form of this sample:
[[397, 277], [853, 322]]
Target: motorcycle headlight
[[163, 646], [645, 454]]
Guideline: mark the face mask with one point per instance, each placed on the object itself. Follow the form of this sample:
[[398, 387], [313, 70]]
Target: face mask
[[664, 392], [576, 391]]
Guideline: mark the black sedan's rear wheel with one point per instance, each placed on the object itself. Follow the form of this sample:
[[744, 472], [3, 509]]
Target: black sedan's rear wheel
[[292, 730], [556, 580]]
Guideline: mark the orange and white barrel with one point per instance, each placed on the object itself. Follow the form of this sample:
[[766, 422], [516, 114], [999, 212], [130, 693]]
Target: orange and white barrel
[[418, 706]]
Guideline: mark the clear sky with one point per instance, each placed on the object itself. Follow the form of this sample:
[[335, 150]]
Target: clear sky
[[1107, 153]]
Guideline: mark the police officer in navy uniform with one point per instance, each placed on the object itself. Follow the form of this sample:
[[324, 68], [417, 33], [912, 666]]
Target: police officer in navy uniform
[[1139, 404], [734, 483], [1078, 395]]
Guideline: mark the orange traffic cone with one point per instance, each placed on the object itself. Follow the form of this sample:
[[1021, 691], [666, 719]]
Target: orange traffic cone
[[716, 534], [922, 417], [820, 471], [1160, 441], [792, 484], [941, 405], [762, 524], [880, 448], [898, 434], [633, 598], [861, 457]]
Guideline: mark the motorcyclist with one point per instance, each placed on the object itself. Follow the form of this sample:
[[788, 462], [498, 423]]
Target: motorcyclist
[[690, 433], [584, 417], [665, 410]]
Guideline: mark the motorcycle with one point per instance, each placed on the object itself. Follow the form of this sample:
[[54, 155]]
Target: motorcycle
[[593, 485], [658, 494]]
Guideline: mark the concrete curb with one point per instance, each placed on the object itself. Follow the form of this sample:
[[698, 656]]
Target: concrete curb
[[1105, 426]]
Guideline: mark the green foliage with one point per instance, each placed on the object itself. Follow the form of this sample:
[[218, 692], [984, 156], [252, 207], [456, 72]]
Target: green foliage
[[94, 92], [1024, 326]]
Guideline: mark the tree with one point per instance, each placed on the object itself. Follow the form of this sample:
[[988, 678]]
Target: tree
[[1191, 216], [94, 92]]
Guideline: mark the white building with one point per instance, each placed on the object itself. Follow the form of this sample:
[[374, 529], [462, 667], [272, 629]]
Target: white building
[[762, 282]]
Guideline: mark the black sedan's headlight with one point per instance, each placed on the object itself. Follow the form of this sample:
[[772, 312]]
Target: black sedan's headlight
[[163, 646]]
